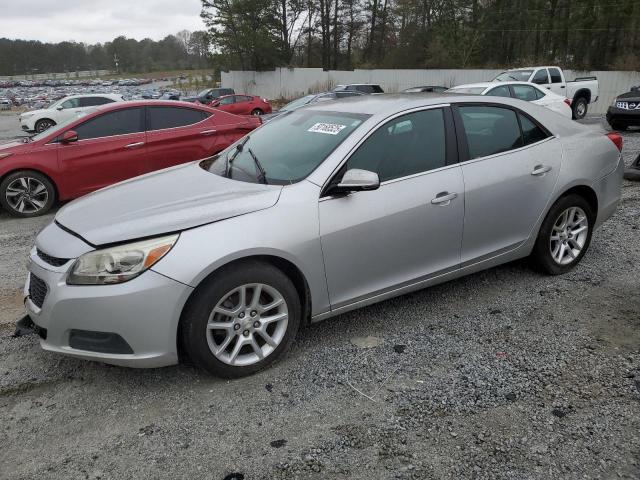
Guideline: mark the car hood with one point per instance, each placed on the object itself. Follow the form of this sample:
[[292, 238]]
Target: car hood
[[34, 112], [166, 201], [629, 97]]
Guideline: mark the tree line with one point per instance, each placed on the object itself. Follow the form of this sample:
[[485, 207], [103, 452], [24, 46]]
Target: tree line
[[185, 50], [346, 34]]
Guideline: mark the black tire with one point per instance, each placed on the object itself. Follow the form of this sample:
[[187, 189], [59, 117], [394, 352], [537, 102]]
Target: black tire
[[541, 255], [579, 107], [44, 124], [257, 112], [10, 206], [193, 324], [618, 126]]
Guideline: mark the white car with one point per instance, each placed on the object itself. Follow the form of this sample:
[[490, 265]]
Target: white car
[[528, 92], [64, 110]]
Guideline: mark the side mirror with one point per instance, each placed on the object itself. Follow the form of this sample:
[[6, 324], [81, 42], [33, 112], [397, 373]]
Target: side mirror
[[356, 180], [59, 107], [69, 136]]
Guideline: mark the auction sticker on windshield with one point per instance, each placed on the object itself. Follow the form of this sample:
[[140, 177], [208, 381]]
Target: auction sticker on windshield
[[329, 128]]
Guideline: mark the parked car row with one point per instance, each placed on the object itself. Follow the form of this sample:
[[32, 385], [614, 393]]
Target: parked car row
[[74, 82]]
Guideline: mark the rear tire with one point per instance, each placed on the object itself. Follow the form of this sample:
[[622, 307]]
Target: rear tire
[[27, 193], [44, 124], [580, 107], [562, 241], [232, 334]]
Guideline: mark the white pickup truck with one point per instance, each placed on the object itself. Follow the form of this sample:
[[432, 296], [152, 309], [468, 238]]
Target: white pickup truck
[[581, 91]]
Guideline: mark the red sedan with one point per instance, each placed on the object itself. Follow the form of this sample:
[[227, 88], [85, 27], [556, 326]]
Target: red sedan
[[109, 144], [242, 104]]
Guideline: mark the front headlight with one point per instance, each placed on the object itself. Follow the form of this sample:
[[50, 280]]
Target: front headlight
[[119, 264]]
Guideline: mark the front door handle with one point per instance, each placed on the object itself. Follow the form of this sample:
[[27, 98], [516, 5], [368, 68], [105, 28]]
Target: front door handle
[[540, 170], [134, 145], [208, 132], [443, 198]]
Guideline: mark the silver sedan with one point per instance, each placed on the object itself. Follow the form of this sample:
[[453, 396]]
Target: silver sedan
[[323, 210]]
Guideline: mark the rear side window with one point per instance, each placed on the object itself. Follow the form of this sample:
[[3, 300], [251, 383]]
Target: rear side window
[[539, 93], [525, 92], [94, 101], [172, 117], [531, 133], [501, 91], [554, 73], [490, 130], [119, 122], [540, 77], [406, 145]]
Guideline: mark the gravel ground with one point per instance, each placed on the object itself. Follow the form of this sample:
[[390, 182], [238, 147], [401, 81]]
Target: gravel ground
[[503, 374]]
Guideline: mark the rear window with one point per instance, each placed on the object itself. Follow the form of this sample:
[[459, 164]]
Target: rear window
[[171, 117], [470, 90]]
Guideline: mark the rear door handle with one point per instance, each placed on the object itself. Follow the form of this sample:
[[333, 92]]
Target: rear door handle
[[134, 145], [443, 198], [540, 170], [208, 132]]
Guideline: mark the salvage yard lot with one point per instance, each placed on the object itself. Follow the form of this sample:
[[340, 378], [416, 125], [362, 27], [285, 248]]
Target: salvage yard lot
[[503, 374]]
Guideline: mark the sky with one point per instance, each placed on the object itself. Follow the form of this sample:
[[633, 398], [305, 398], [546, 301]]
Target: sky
[[93, 21]]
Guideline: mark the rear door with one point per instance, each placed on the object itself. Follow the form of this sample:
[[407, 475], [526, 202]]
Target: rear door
[[110, 148], [511, 170], [557, 84], [178, 135]]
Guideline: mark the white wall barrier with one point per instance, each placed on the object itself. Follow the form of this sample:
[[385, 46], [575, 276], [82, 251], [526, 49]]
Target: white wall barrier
[[295, 82]]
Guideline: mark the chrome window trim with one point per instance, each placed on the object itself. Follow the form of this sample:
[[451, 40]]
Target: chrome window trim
[[486, 157]]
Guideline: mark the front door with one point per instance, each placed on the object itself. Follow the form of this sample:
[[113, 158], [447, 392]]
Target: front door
[[411, 227], [509, 179], [110, 148]]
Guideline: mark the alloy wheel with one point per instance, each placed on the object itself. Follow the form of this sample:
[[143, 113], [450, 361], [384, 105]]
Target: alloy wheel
[[247, 324], [569, 235], [43, 125], [26, 195]]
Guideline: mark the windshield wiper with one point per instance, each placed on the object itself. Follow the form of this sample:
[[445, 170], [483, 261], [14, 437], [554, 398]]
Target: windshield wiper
[[227, 163], [263, 174]]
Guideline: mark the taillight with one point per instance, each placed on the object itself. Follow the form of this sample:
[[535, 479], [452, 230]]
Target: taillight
[[616, 139], [567, 101]]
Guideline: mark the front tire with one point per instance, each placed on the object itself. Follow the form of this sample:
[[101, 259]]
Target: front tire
[[27, 193], [241, 319], [44, 124], [564, 236], [257, 112], [579, 107]]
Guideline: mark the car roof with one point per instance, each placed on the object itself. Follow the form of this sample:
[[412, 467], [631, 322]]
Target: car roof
[[152, 103], [85, 95], [356, 84], [491, 84]]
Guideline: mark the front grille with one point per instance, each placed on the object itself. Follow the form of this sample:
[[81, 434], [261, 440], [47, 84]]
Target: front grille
[[37, 290], [55, 261]]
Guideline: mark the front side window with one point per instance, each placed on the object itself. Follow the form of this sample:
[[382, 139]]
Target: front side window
[[288, 148], [94, 101], [540, 77], [406, 145], [490, 130], [71, 103], [525, 92], [555, 75], [172, 117], [501, 91], [227, 101], [119, 122]]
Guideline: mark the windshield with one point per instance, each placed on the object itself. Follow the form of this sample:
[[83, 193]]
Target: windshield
[[472, 90], [204, 92], [517, 75], [62, 125], [288, 148], [298, 103]]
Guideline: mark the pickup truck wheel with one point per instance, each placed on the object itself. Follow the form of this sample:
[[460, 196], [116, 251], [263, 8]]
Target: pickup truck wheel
[[579, 107], [44, 124]]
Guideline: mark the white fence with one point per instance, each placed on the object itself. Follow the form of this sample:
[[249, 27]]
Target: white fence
[[58, 76], [296, 82]]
